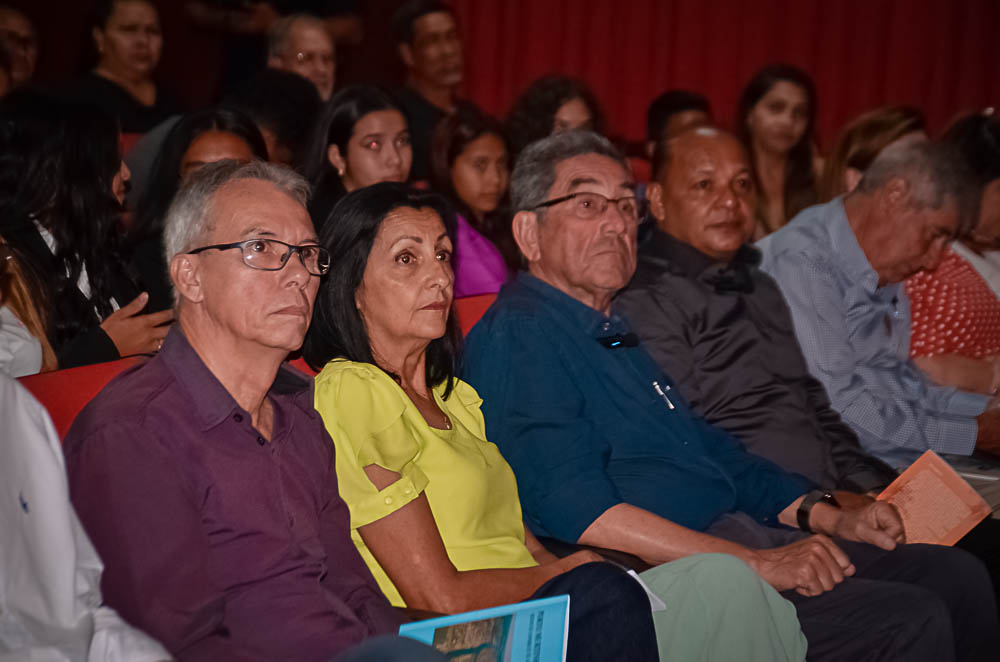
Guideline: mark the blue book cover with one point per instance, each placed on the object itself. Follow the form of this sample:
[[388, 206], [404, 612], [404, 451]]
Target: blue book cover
[[532, 631]]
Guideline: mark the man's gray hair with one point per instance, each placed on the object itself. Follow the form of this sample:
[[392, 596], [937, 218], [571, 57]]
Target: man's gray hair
[[190, 219], [935, 174], [277, 35], [535, 170]]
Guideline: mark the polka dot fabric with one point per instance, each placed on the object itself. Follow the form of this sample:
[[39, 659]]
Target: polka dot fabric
[[953, 311]]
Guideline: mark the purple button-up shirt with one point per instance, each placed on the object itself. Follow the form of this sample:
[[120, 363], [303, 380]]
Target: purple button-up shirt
[[220, 544]]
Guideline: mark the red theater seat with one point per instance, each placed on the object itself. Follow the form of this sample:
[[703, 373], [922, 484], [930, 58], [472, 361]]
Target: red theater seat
[[64, 393], [470, 309]]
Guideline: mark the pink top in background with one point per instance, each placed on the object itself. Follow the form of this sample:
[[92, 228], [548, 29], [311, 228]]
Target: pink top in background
[[479, 266]]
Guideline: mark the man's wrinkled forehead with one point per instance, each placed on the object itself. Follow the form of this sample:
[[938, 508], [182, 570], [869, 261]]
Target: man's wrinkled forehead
[[592, 172], [247, 208]]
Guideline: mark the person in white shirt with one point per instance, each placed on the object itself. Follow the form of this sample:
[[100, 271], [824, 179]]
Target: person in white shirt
[[50, 597]]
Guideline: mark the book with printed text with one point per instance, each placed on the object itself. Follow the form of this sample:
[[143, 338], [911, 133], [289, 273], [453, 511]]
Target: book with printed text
[[532, 631], [936, 504]]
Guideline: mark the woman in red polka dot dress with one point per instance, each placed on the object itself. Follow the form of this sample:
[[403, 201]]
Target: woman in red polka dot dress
[[955, 310]]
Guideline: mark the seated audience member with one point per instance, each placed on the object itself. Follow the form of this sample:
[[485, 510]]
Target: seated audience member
[[673, 113], [195, 141], [204, 476], [361, 139], [24, 345], [430, 47], [955, 309], [607, 453], [862, 140], [285, 107], [775, 120], [552, 104], [62, 182], [434, 506], [841, 268], [469, 165], [20, 39], [301, 44], [51, 607], [719, 326], [246, 26], [128, 42]]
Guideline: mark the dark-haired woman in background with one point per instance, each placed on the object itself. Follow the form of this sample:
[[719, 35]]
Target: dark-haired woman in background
[[469, 165], [128, 42], [775, 120], [955, 310], [62, 182], [362, 139], [196, 140], [551, 104], [434, 506], [861, 140]]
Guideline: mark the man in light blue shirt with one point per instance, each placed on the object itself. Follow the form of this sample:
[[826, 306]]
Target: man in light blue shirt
[[841, 265]]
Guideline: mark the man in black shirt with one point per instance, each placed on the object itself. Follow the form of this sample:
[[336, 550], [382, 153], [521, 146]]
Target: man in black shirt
[[720, 326], [427, 37]]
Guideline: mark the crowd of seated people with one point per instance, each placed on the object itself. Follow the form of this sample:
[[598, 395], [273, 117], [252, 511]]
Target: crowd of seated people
[[650, 388]]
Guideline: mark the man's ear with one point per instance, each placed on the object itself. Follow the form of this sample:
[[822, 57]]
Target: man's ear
[[406, 55], [186, 277], [525, 229], [654, 193], [274, 61], [894, 193], [336, 159]]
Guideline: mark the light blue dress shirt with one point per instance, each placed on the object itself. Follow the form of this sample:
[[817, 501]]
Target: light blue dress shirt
[[856, 339]]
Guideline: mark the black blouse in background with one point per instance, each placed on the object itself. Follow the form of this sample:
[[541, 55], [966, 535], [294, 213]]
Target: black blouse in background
[[134, 117]]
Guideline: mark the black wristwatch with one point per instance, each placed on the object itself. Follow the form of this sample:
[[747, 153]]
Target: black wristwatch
[[811, 499]]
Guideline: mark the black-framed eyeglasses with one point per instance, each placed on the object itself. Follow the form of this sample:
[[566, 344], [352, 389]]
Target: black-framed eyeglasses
[[587, 205], [272, 255]]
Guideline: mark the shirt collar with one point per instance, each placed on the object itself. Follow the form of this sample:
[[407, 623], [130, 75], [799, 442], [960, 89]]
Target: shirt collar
[[210, 400], [686, 260], [595, 323], [846, 246]]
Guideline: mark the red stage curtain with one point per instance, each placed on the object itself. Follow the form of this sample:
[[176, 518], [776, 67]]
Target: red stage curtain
[[938, 55]]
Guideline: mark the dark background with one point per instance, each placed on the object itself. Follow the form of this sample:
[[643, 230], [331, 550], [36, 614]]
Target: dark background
[[940, 55]]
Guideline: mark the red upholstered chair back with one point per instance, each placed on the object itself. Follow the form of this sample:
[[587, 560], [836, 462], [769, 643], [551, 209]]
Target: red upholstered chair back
[[64, 393], [470, 309]]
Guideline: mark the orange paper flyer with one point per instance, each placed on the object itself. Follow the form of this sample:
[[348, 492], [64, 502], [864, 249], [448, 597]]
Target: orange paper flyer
[[936, 504]]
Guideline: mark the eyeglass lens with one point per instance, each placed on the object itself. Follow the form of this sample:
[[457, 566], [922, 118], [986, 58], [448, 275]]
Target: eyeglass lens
[[272, 255]]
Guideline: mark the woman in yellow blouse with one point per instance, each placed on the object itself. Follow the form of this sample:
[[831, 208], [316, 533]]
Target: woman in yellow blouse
[[434, 506]]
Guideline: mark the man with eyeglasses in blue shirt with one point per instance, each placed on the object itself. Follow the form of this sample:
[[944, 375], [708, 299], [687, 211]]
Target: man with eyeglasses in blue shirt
[[607, 453]]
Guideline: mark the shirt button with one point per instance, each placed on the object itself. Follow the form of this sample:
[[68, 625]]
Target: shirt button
[[408, 490], [261, 441], [388, 501], [606, 326], [238, 418]]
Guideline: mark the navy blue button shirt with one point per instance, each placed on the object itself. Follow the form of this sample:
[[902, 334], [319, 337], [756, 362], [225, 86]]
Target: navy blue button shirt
[[588, 421]]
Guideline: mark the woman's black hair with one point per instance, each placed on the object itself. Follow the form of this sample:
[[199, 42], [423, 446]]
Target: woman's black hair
[[58, 163], [800, 177], [534, 113], [165, 176], [337, 329], [335, 127], [977, 138]]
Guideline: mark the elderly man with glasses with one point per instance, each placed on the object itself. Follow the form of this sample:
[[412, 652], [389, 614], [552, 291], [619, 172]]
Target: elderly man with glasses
[[607, 453], [204, 477]]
